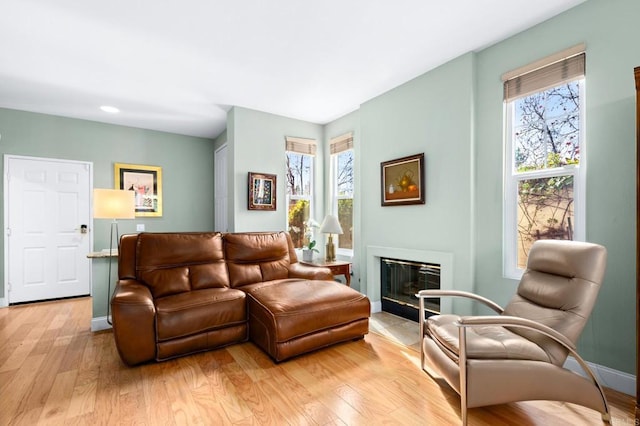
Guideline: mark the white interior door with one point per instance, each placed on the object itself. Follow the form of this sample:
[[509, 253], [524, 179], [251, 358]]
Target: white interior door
[[220, 198], [46, 203]]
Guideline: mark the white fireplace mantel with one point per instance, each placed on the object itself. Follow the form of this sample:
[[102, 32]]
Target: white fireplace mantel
[[375, 253]]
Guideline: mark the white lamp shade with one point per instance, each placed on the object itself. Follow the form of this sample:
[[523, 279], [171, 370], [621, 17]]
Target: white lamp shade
[[113, 204], [331, 225]]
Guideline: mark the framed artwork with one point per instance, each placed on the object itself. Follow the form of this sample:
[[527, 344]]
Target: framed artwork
[[146, 182], [262, 191], [402, 181]]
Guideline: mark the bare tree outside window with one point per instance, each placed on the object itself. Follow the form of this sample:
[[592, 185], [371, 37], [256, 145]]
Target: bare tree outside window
[[344, 183], [299, 172], [546, 140]]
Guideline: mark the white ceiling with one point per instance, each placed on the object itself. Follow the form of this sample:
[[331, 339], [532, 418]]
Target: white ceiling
[[179, 66]]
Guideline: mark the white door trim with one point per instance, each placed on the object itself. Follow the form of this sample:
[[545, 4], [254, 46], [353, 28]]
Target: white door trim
[[4, 301]]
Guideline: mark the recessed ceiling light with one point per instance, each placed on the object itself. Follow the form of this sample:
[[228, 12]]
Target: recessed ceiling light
[[109, 109]]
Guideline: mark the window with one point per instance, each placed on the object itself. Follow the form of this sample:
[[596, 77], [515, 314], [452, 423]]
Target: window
[[300, 158], [341, 149], [544, 173]]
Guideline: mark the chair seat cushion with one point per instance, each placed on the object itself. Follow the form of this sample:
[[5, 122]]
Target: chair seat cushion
[[483, 342], [198, 311]]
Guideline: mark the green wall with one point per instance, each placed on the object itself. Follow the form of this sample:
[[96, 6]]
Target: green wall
[[611, 34], [187, 168], [256, 142], [427, 115], [345, 124], [454, 114]]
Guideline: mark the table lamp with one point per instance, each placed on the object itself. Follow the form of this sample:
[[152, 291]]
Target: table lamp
[[113, 204], [330, 225]]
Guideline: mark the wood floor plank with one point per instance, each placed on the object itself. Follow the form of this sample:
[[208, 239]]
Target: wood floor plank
[[345, 412], [53, 370], [59, 398], [183, 406], [128, 403], [227, 396], [21, 352], [13, 319], [12, 340], [32, 404], [17, 390], [369, 410], [156, 399], [5, 381], [192, 374], [210, 408], [107, 406], [247, 362], [267, 408], [83, 398]]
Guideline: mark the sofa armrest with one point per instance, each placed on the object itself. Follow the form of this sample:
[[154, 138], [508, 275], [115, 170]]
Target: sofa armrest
[[298, 270], [133, 315]]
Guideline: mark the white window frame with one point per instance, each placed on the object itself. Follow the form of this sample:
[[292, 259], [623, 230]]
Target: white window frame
[[307, 148], [511, 180], [337, 146], [335, 197]]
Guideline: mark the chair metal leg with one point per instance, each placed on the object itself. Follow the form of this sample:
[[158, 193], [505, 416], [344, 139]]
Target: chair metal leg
[[462, 365]]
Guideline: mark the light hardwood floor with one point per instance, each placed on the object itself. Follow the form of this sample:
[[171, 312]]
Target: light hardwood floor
[[53, 370]]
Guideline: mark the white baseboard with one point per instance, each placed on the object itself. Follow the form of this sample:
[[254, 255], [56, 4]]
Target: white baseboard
[[608, 377], [100, 323], [376, 307], [3, 302]]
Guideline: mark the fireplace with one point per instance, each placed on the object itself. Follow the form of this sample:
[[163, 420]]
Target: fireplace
[[400, 280]]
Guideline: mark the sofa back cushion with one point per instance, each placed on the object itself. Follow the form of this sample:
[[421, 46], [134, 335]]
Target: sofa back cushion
[[172, 263], [256, 257]]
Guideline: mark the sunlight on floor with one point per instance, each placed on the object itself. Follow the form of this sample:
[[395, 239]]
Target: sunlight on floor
[[395, 328]]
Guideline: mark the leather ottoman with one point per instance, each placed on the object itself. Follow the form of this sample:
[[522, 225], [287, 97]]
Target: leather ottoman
[[290, 317]]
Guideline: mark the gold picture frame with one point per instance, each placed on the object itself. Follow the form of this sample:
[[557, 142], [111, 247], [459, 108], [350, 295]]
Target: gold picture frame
[[262, 191], [146, 182], [402, 181]]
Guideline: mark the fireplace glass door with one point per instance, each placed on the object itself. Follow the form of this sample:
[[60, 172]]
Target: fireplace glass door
[[401, 280]]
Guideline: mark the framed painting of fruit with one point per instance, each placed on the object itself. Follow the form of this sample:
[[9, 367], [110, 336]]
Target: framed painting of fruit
[[402, 181]]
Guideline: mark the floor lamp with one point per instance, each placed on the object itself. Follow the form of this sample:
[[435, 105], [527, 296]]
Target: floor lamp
[[113, 204]]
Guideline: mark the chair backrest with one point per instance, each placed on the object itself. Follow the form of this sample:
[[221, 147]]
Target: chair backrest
[[559, 289]]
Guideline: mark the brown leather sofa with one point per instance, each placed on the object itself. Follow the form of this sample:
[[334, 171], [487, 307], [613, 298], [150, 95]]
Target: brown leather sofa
[[181, 293]]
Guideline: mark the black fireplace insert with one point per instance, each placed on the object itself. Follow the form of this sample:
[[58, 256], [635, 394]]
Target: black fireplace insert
[[401, 280]]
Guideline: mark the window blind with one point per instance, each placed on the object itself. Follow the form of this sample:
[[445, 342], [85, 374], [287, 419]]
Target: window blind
[[300, 145], [554, 70], [341, 143]]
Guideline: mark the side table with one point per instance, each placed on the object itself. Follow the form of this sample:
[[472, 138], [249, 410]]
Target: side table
[[337, 267]]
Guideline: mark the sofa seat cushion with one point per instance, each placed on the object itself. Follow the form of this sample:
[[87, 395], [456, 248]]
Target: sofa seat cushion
[[483, 342], [198, 311], [293, 308]]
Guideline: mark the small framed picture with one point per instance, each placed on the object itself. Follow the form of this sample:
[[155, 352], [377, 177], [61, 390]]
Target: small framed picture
[[403, 181], [262, 191], [145, 182]]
